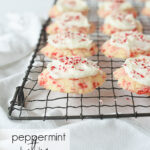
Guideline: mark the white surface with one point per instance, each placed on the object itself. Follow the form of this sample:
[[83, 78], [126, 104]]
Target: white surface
[[108, 135], [40, 7], [25, 29], [113, 134]]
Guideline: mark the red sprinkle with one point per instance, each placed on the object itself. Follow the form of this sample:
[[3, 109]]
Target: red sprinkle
[[53, 67], [82, 85]]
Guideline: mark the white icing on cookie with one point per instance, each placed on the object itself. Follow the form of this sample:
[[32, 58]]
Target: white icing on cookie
[[72, 67], [70, 40], [122, 21], [72, 19], [147, 4], [110, 6], [71, 5], [131, 41], [138, 69]]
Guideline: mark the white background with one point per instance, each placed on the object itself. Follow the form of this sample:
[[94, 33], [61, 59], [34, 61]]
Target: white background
[[37, 6]]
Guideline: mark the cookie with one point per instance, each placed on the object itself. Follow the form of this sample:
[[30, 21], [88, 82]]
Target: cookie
[[69, 44], [134, 75], [71, 21], [119, 22], [72, 75], [107, 7], [146, 9], [127, 44], [63, 6]]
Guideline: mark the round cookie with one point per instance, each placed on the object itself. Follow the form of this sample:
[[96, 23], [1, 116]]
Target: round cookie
[[107, 7], [119, 22], [71, 21], [126, 44], [69, 44], [63, 6], [72, 75], [134, 76]]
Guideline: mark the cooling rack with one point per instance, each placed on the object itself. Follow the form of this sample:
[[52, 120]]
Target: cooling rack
[[31, 102]]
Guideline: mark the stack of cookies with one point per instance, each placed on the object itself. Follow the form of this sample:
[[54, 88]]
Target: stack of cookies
[[69, 45], [127, 42]]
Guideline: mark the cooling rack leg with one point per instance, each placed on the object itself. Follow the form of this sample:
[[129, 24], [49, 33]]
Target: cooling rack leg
[[20, 97]]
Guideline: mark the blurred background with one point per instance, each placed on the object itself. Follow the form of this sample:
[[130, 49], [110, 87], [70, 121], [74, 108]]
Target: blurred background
[[40, 7]]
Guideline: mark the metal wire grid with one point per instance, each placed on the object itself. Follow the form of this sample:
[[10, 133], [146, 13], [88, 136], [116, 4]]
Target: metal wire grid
[[32, 102]]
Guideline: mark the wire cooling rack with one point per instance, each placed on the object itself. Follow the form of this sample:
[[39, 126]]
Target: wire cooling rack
[[31, 102]]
